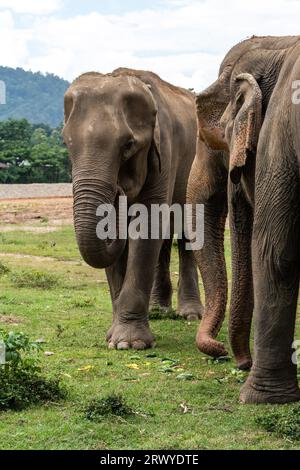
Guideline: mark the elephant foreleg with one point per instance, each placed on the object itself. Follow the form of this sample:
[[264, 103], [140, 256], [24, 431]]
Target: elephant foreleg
[[276, 266], [130, 327], [115, 275]]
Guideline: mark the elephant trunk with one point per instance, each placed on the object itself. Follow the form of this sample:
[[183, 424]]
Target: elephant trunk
[[211, 259], [89, 194]]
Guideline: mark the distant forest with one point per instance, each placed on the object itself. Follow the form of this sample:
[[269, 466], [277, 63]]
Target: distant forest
[[31, 153], [31, 146], [32, 96]]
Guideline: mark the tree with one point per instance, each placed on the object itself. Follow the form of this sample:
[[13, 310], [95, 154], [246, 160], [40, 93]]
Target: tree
[[32, 154]]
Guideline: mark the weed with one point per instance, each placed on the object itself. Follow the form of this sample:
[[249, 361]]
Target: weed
[[22, 383], [158, 313], [34, 279], [59, 330], [284, 423], [110, 405], [83, 302], [3, 269]]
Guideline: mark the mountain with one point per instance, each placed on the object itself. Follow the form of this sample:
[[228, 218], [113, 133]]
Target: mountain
[[33, 96]]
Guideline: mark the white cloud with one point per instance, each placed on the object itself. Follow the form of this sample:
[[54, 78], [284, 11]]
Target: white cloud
[[184, 41], [13, 42], [33, 7]]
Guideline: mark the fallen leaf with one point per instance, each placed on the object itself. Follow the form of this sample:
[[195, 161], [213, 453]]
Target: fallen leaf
[[185, 377], [132, 366], [166, 370], [49, 353], [86, 368], [185, 408]]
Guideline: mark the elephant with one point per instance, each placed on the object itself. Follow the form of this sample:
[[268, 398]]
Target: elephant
[[131, 133], [249, 148]]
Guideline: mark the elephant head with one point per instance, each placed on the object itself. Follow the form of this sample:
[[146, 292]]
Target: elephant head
[[242, 121], [113, 137]]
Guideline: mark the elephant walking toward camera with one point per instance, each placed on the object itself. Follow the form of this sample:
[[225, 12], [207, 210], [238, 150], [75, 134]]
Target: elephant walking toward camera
[[130, 133], [249, 128]]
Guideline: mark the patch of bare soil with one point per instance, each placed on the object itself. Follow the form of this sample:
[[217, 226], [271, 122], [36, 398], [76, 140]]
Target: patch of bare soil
[[37, 258], [9, 320], [35, 212]]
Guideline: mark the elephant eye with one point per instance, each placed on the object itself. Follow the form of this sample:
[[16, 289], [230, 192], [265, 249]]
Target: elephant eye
[[128, 149]]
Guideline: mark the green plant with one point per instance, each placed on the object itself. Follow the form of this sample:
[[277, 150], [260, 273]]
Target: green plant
[[283, 423], [34, 279], [3, 269], [158, 313], [105, 406], [83, 302], [22, 383]]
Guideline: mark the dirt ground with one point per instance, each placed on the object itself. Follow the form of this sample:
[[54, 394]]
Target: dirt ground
[[35, 208], [33, 213]]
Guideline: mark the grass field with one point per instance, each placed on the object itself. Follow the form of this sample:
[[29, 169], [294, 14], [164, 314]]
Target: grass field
[[73, 317]]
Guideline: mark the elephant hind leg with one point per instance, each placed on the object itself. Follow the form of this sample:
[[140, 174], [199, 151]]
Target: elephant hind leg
[[189, 305], [161, 294]]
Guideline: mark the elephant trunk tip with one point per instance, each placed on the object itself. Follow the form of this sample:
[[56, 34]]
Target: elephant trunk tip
[[208, 345]]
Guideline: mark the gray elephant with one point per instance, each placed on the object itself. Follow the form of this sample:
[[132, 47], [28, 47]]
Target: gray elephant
[[131, 133], [251, 103]]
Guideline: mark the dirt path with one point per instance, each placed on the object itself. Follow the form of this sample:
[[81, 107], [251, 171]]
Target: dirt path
[[38, 258]]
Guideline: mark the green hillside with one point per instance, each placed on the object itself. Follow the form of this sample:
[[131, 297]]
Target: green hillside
[[33, 96]]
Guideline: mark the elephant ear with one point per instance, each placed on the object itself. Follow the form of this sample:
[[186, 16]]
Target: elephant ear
[[247, 124], [155, 145]]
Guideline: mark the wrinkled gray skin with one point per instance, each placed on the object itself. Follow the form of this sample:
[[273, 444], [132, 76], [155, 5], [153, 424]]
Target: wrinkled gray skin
[[131, 133], [253, 113]]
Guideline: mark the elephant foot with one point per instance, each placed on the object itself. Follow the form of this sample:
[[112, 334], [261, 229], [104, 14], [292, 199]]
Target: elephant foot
[[244, 363], [190, 311], [275, 387], [130, 335]]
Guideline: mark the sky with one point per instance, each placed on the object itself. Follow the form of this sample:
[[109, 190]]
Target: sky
[[184, 41]]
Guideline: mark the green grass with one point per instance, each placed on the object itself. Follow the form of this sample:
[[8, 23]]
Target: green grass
[[181, 399]]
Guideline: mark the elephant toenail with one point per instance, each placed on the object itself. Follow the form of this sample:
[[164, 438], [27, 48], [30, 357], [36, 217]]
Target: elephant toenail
[[123, 345], [192, 317], [139, 345]]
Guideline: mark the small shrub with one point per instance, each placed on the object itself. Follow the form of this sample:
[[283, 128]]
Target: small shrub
[[3, 269], [110, 405], [283, 423], [34, 279], [22, 383]]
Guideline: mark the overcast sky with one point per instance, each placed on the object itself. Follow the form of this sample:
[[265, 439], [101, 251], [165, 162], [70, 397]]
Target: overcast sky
[[184, 41]]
